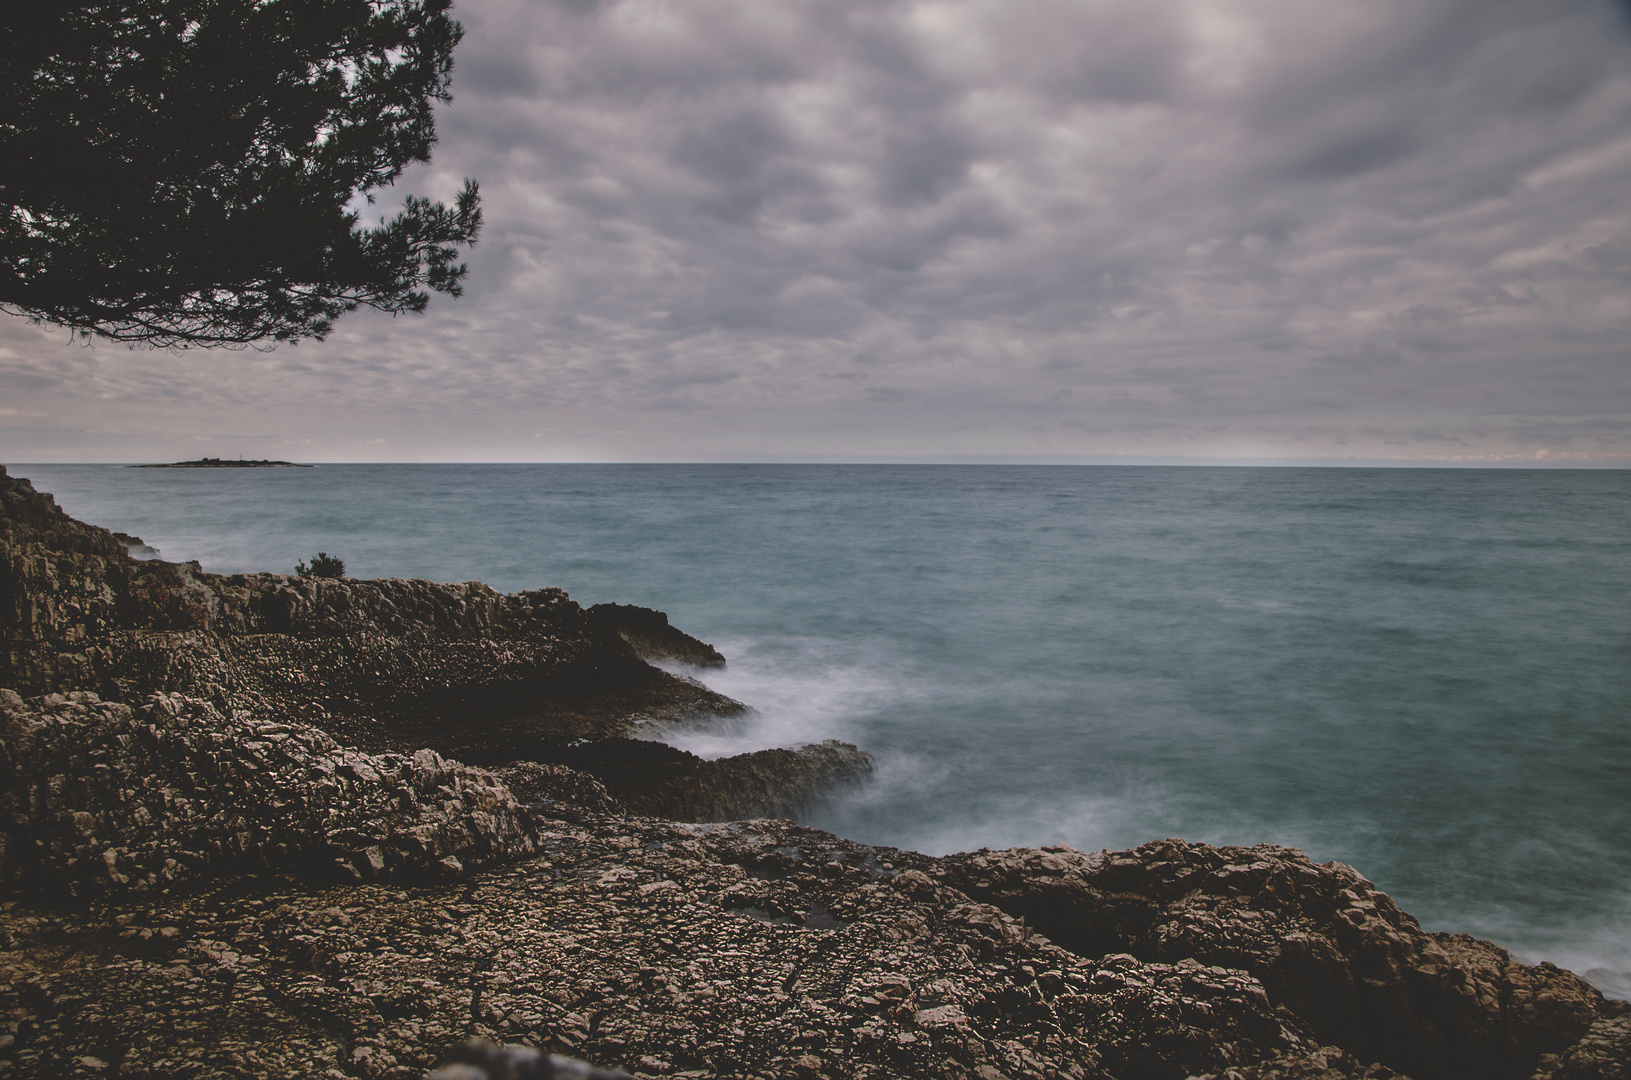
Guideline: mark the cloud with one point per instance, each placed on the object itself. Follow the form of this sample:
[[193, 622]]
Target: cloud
[[1101, 220]]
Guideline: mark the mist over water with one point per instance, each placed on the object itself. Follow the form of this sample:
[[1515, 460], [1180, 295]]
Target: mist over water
[[1423, 673]]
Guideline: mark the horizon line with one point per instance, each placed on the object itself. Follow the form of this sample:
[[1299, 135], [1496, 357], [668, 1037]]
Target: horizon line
[[1084, 461]]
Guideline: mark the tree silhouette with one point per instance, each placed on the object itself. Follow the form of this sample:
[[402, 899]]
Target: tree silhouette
[[178, 172], [322, 565]]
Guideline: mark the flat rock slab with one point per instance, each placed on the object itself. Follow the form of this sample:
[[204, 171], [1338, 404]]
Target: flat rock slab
[[668, 950]]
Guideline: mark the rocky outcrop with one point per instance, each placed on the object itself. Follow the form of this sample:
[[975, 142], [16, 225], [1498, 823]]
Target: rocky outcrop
[[1323, 941], [98, 799], [1603, 1053], [387, 666], [764, 783], [558, 789], [753, 949], [742, 949], [136, 546], [649, 634]]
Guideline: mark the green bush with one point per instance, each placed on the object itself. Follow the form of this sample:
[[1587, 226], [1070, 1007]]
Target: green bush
[[322, 565]]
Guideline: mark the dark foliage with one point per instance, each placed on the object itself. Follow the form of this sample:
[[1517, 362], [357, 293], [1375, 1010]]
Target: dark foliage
[[322, 565], [177, 172]]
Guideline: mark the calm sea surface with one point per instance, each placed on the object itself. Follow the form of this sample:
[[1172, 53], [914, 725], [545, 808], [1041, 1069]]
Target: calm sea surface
[[1423, 673]]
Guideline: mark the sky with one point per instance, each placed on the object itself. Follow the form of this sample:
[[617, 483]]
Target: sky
[[1396, 231]]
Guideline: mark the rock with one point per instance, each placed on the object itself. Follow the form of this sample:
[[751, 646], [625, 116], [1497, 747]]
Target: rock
[[1322, 1063], [383, 665], [649, 634], [757, 948], [99, 799], [135, 546], [1603, 1053], [557, 787], [653, 778], [1324, 942], [620, 943]]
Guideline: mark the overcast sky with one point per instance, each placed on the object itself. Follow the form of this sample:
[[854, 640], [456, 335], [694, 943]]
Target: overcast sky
[[993, 229]]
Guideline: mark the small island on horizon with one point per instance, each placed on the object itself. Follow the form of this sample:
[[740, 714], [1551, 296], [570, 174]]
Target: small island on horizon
[[225, 463]]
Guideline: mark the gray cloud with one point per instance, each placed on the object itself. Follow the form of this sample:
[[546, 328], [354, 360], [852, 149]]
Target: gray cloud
[[830, 227]]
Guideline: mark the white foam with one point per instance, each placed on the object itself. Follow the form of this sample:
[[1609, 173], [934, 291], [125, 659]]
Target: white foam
[[801, 690]]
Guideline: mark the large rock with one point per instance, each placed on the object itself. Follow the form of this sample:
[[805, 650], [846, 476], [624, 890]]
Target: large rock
[[1603, 1053], [658, 779], [384, 665], [749, 949], [100, 799], [1325, 943], [649, 634]]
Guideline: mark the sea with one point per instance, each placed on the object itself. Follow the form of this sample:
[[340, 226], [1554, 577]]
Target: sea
[[1423, 673]]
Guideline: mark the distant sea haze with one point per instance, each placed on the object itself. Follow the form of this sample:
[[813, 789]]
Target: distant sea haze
[[1423, 673]]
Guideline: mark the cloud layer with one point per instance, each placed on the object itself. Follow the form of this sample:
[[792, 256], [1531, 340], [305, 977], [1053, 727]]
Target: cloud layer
[[825, 228]]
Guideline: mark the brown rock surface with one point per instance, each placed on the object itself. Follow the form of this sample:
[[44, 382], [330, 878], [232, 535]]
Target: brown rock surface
[[654, 778], [389, 664], [98, 799], [1325, 943], [650, 635], [631, 942], [1603, 1053]]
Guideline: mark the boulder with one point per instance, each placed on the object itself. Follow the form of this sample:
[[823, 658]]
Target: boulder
[[649, 634], [1324, 942]]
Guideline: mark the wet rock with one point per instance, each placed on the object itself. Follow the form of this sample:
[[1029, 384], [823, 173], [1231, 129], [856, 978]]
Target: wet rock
[[653, 778], [137, 548], [649, 634]]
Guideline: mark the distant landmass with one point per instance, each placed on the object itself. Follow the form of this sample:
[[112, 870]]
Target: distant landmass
[[225, 463]]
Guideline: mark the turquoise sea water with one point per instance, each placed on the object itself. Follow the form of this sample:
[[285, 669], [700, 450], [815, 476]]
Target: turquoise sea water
[[1423, 673]]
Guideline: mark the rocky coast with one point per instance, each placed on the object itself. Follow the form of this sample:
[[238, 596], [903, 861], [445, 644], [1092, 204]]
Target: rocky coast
[[270, 826]]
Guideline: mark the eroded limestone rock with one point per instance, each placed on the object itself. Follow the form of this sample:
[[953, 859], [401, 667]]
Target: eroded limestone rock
[[650, 635], [98, 799], [1325, 943], [384, 665]]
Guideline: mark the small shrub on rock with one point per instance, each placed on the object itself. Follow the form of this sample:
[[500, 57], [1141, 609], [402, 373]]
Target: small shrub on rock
[[322, 565]]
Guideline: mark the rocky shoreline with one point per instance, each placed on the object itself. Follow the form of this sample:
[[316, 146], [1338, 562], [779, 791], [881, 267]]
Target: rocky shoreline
[[264, 826]]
